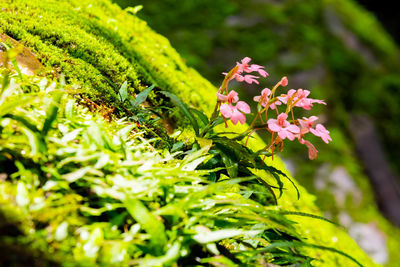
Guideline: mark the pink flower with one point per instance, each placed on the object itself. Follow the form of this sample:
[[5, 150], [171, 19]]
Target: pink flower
[[321, 132], [232, 97], [284, 81], [233, 112], [285, 98], [307, 123], [312, 151], [264, 98], [245, 67], [283, 127], [299, 98], [247, 78]]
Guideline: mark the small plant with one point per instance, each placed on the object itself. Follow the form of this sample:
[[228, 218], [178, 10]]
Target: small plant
[[280, 128], [228, 107], [231, 153]]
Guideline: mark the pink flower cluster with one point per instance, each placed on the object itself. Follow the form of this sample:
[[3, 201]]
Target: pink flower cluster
[[280, 128], [245, 67]]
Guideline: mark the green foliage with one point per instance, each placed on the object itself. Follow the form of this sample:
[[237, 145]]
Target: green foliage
[[93, 192]]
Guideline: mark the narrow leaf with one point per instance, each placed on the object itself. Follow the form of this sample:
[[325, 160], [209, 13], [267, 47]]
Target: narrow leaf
[[123, 91], [148, 222], [142, 96], [52, 112], [231, 166], [285, 212], [205, 237], [302, 244], [16, 67], [185, 110], [200, 115]]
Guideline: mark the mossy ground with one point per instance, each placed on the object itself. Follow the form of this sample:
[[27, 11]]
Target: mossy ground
[[98, 47]]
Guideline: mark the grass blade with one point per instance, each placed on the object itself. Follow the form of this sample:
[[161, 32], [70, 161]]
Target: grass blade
[[123, 91], [148, 222], [285, 212], [294, 244], [184, 108], [52, 112], [142, 96]]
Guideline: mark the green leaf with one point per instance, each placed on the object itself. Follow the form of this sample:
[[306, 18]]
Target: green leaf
[[295, 244], [205, 237], [219, 261], [275, 173], [124, 132], [191, 166], [16, 67], [134, 10], [92, 246], [148, 222], [211, 125], [200, 115], [11, 102], [95, 133], [142, 96], [167, 260], [230, 165], [285, 212], [22, 196], [185, 110], [73, 176], [177, 146], [52, 112], [62, 231], [123, 91], [33, 139]]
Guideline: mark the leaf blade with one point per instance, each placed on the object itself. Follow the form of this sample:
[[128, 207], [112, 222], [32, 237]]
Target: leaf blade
[[185, 110]]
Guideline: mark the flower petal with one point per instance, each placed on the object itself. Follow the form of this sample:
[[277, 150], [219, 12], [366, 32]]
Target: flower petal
[[243, 106], [238, 116], [289, 135], [293, 128], [263, 73], [226, 110], [250, 79], [222, 97], [282, 134], [273, 126]]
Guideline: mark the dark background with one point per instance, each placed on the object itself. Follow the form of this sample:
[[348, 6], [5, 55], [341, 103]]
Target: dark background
[[387, 14]]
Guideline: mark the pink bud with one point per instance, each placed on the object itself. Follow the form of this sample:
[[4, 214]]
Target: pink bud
[[284, 81]]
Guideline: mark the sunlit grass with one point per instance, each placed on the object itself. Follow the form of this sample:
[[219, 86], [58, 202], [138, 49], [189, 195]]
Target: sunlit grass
[[84, 191]]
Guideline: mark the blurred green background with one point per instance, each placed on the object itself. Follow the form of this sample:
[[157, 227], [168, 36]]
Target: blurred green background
[[335, 48]]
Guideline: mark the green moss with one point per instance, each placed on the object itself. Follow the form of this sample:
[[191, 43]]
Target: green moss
[[91, 45]]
